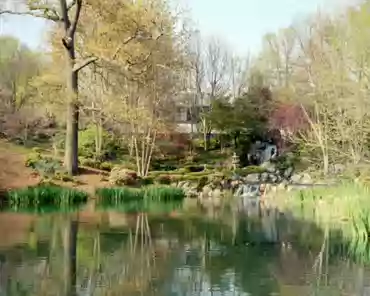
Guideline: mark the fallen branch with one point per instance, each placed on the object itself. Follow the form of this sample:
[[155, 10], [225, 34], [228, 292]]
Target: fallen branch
[[78, 66]]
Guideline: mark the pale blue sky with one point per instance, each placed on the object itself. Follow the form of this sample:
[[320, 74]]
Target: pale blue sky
[[242, 23]]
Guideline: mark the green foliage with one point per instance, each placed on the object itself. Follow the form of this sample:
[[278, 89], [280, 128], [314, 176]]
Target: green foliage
[[87, 146], [89, 162], [164, 179], [164, 164], [164, 193], [32, 159], [18, 65], [106, 166], [147, 181], [119, 195], [249, 170], [343, 207], [122, 176], [45, 195], [48, 167], [194, 168]]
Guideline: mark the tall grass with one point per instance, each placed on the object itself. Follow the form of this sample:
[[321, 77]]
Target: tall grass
[[345, 207], [140, 199], [45, 196]]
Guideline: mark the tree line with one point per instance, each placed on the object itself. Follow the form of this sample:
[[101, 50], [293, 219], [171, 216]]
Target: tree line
[[124, 67]]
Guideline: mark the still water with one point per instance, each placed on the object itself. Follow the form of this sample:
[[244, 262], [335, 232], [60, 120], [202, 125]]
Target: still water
[[198, 253]]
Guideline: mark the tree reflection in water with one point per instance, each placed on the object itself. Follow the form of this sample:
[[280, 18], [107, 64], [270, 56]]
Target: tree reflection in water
[[184, 255]]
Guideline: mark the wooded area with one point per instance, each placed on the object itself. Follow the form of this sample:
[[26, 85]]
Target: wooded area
[[117, 70]]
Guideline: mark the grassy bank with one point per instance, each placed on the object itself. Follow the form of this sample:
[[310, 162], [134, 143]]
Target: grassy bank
[[344, 207]]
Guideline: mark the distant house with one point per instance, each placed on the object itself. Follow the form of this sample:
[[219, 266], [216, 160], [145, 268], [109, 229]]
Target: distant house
[[187, 114]]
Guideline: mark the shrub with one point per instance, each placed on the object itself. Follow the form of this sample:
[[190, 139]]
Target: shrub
[[249, 170], [89, 162], [106, 166], [45, 195], [47, 167], [194, 168], [86, 144], [164, 179], [63, 176], [147, 181], [122, 176], [32, 159], [36, 150]]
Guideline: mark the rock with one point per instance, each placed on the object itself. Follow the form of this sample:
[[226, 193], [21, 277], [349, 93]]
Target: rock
[[264, 177], [306, 179], [234, 184], [226, 184], [296, 178], [273, 178], [252, 178], [181, 184], [191, 193], [269, 167], [288, 172]]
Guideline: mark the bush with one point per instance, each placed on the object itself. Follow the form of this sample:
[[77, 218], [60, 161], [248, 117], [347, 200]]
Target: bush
[[89, 162], [194, 168], [147, 181], [32, 159], [249, 170], [47, 167], [106, 166], [164, 179], [86, 144], [122, 176], [63, 176]]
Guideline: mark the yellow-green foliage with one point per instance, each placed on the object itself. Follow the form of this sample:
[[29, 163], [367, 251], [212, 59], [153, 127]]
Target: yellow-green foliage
[[344, 207]]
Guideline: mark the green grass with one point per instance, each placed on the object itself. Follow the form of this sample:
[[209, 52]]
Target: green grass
[[345, 207], [45, 196], [138, 197], [116, 195]]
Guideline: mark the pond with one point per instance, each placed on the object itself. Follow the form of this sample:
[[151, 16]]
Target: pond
[[228, 252]]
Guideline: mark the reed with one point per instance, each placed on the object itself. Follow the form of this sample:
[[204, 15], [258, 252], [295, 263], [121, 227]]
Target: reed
[[345, 207], [44, 196], [126, 195]]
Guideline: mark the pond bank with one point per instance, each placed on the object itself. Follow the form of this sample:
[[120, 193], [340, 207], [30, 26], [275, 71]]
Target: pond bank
[[343, 207]]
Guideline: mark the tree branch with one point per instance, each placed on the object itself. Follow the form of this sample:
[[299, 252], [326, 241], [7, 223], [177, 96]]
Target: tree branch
[[78, 66], [43, 15], [73, 26]]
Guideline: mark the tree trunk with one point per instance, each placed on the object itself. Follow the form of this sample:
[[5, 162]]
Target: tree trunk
[[73, 113], [70, 256]]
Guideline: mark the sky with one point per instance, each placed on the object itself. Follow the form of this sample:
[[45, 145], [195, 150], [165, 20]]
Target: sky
[[241, 23]]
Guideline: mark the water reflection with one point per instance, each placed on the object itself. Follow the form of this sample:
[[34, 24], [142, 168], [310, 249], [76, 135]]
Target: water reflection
[[255, 252]]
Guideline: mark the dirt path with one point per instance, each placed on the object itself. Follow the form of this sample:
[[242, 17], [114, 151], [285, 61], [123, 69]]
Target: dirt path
[[13, 173]]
